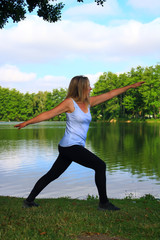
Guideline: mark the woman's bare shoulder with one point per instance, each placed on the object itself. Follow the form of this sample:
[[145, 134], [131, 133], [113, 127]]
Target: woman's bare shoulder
[[68, 101], [70, 104]]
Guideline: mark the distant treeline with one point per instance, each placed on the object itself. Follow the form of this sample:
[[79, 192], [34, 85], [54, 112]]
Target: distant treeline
[[136, 103], [16, 106]]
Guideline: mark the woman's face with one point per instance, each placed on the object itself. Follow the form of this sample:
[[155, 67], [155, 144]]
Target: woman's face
[[89, 88]]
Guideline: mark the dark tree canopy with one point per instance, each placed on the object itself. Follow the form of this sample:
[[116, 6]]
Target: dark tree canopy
[[49, 10]]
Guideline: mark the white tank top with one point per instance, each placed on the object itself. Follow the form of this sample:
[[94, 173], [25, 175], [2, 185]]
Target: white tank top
[[77, 125]]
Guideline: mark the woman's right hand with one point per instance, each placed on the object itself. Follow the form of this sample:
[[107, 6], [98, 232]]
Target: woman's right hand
[[21, 125]]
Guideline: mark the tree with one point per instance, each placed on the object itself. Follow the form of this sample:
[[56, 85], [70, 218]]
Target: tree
[[136, 103], [53, 99], [109, 109], [25, 108], [151, 93], [133, 101], [39, 101], [47, 9], [9, 104]]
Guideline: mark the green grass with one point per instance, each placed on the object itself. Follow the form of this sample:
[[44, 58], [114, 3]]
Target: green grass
[[65, 219]]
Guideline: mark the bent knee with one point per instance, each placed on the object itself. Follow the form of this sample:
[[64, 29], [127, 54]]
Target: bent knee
[[102, 166]]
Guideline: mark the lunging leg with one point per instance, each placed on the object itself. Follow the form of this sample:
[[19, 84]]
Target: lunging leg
[[56, 170]]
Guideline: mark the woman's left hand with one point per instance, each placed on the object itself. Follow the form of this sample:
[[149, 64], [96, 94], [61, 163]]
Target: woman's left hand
[[138, 84]]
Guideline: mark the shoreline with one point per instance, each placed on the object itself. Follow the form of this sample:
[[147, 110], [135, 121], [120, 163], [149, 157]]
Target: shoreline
[[110, 121]]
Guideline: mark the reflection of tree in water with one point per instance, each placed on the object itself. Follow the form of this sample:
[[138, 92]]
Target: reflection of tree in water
[[133, 147], [46, 133]]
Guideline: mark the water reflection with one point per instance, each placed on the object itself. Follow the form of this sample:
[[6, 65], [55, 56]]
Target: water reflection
[[129, 150], [129, 147]]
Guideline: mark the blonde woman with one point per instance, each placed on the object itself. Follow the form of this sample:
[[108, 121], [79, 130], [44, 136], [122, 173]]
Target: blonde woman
[[72, 146]]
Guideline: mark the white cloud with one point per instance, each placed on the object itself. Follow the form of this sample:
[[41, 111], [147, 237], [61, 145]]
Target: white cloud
[[49, 82], [10, 73], [28, 82], [149, 5], [34, 41]]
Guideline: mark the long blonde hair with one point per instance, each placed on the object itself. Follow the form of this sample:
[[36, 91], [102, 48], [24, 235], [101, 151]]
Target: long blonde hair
[[78, 89]]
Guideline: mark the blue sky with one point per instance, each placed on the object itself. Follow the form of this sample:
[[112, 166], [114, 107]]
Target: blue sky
[[89, 40]]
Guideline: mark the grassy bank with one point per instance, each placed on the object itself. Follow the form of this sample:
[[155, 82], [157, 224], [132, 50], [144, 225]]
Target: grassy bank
[[66, 219]]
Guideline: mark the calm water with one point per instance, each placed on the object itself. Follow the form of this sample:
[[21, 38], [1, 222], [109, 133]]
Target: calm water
[[131, 153]]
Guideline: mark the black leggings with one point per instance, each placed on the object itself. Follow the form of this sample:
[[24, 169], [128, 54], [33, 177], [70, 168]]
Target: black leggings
[[79, 155]]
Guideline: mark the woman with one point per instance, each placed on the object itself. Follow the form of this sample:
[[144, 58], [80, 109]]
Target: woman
[[72, 146]]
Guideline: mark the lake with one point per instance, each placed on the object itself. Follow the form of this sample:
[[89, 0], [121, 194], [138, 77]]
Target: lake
[[130, 150]]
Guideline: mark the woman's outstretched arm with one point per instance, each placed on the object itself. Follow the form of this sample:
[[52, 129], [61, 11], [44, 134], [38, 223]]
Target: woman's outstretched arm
[[95, 100], [61, 108]]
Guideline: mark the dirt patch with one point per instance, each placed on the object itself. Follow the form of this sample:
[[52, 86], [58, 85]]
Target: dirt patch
[[98, 236]]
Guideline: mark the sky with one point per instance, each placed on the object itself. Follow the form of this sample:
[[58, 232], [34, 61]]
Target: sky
[[39, 56]]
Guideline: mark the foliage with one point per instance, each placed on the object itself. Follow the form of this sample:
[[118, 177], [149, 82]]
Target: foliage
[[16, 106], [139, 103], [47, 9], [135, 103]]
